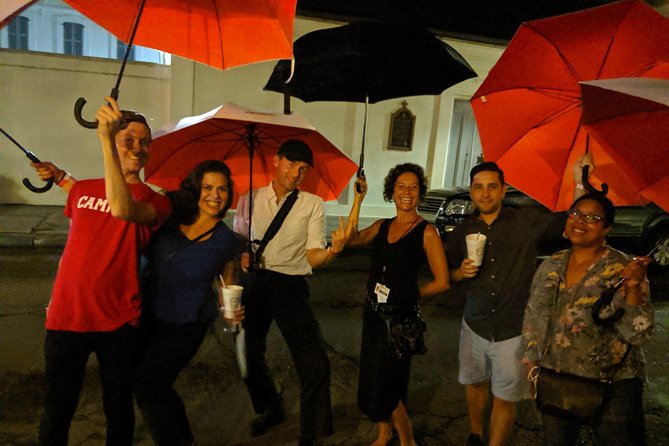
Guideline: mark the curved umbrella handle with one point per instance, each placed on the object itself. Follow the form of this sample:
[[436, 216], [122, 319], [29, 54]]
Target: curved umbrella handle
[[26, 182], [78, 106], [38, 190], [589, 187]]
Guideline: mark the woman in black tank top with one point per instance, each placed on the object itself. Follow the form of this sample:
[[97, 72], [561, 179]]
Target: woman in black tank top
[[400, 247]]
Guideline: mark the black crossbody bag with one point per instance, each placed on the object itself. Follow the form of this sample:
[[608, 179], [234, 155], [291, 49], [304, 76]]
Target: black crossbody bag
[[567, 395]]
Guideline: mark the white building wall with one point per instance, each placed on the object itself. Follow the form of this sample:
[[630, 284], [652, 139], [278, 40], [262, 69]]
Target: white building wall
[[38, 92]]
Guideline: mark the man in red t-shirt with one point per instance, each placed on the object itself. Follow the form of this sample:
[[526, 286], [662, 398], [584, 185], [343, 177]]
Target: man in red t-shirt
[[96, 302]]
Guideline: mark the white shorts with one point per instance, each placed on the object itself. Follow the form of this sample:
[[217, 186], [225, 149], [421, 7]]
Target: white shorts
[[498, 362]]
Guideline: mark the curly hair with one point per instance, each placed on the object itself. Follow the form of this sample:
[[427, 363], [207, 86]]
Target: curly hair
[[185, 199], [395, 172]]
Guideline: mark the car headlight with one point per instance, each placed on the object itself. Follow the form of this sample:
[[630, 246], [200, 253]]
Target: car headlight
[[460, 207]]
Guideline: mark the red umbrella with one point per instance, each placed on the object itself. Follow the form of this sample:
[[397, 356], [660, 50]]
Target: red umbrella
[[218, 33], [232, 134], [9, 9], [528, 110], [629, 118]]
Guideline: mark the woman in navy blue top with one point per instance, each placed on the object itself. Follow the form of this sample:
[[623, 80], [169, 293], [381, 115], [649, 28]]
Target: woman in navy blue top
[[183, 260]]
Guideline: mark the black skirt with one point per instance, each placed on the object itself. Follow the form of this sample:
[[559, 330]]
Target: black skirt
[[384, 380]]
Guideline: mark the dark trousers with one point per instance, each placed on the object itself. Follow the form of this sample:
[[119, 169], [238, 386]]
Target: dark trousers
[[169, 348], [620, 422], [66, 355], [273, 296]]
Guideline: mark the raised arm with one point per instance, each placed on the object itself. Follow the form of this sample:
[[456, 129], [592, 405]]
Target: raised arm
[[364, 237], [121, 202]]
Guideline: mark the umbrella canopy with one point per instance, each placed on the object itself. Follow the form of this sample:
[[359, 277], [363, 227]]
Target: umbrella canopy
[[9, 9], [629, 118], [233, 134], [528, 110], [369, 60], [218, 33]]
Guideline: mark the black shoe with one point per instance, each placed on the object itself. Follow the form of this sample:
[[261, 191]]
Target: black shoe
[[474, 440], [273, 416]]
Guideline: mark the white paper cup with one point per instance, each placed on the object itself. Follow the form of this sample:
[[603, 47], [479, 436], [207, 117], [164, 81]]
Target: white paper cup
[[475, 247], [232, 299]]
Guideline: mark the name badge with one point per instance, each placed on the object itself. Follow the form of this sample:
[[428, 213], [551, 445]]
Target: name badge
[[382, 293]]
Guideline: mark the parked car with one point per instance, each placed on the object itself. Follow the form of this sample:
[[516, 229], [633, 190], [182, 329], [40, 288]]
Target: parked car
[[637, 229]]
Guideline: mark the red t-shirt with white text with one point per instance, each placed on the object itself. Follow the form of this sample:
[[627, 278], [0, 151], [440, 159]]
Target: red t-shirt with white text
[[97, 285]]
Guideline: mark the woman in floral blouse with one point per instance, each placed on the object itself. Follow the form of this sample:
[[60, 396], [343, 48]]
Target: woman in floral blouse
[[561, 335]]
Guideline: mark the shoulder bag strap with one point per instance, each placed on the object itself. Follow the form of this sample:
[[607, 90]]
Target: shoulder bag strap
[[276, 223]]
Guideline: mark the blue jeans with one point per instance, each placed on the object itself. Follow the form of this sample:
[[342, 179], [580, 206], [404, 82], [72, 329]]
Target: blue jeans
[[619, 423]]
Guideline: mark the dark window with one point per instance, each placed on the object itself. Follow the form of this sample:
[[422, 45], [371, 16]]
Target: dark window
[[120, 51], [73, 39], [17, 31]]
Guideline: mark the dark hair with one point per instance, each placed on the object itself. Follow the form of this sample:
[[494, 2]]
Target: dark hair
[[395, 172], [605, 203], [488, 166], [296, 150], [128, 116], [185, 199]]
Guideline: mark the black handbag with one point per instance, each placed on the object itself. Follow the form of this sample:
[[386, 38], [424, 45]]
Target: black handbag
[[406, 335], [566, 395], [569, 396]]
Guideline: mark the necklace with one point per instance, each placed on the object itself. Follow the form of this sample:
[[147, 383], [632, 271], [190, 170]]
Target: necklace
[[408, 229]]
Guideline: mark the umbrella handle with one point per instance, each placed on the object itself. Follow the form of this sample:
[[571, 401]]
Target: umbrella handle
[[26, 182], [589, 187], [32, 157], [361, 173], [79, 106]]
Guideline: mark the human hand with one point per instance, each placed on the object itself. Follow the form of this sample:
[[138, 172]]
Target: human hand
[[585, 160], [529, 365], [245, 261], [108, 117], [360, 188], [240, 315], [47, 170], [635, 272], [340, 237], [468, 269]]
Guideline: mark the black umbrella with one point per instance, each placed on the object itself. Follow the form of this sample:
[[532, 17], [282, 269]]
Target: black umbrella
[[368, 62]]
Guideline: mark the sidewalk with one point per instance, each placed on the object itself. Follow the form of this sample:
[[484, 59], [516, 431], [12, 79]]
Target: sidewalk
[[45, 227], [33, 226]]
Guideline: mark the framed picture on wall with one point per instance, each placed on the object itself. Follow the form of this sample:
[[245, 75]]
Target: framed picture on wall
[[402, 124]]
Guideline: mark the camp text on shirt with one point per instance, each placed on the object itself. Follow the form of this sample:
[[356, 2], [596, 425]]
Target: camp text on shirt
[[93, 203]]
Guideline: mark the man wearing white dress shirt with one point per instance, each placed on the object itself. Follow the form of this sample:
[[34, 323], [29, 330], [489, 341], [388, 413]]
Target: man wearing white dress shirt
[[276, 290]]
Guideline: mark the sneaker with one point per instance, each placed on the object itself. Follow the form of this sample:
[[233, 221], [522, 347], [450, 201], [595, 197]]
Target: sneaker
[[273, 416], [474, 440]]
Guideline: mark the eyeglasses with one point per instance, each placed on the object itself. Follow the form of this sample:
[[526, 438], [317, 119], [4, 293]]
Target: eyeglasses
[[575, 214]]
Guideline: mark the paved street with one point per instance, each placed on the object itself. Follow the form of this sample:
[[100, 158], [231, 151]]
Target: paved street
[[215, 397]]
